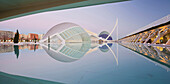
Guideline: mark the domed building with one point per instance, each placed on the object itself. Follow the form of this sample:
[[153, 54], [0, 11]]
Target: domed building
[[66, 33], [67, 42], [104, 35]]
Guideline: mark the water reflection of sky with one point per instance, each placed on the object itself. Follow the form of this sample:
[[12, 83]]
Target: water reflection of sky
[[96, 67]]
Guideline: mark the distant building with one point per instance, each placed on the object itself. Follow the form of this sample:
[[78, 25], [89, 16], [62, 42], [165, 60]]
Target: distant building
[[23, 37], [40, 36], [32, 37], [6, 36], [104, 35]]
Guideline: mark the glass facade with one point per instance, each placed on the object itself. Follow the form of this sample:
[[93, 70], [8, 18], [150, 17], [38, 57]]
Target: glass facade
[[75, 34], [55, 39]]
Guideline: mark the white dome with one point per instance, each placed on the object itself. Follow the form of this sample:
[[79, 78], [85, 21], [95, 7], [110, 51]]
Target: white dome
[[59, 28]]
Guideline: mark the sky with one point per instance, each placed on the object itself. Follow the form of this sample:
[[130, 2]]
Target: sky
[[132, 15]]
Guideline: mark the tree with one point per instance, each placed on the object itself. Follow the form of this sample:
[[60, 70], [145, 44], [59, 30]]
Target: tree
[[16, 38], [35, 39]]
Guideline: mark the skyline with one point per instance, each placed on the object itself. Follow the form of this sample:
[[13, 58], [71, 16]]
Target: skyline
[[132, 15]]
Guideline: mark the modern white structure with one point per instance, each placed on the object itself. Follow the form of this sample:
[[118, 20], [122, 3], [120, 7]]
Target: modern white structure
[[157, 32], [66, 33], [66, 42]]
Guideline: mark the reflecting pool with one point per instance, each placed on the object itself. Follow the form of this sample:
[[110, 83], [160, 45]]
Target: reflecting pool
[[84, 63]]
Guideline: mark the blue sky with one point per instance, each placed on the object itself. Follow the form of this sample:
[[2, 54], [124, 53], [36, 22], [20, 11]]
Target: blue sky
[[132, 15]]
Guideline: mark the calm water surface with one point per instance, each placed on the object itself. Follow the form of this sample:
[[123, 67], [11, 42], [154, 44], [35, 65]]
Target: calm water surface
[[133, 64]]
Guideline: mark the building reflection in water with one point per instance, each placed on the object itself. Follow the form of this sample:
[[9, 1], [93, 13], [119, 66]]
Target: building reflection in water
[[6, 48], [71, 52], [105, 48], [68, 42], [16, 48], [68, 52], [155, 54]]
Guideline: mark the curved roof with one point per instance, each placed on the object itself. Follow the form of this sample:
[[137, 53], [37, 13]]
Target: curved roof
[[59, 28], [16, 8], [104, 32], [163, 20]]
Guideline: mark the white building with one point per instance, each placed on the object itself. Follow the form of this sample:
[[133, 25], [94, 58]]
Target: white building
[[66, 33]]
